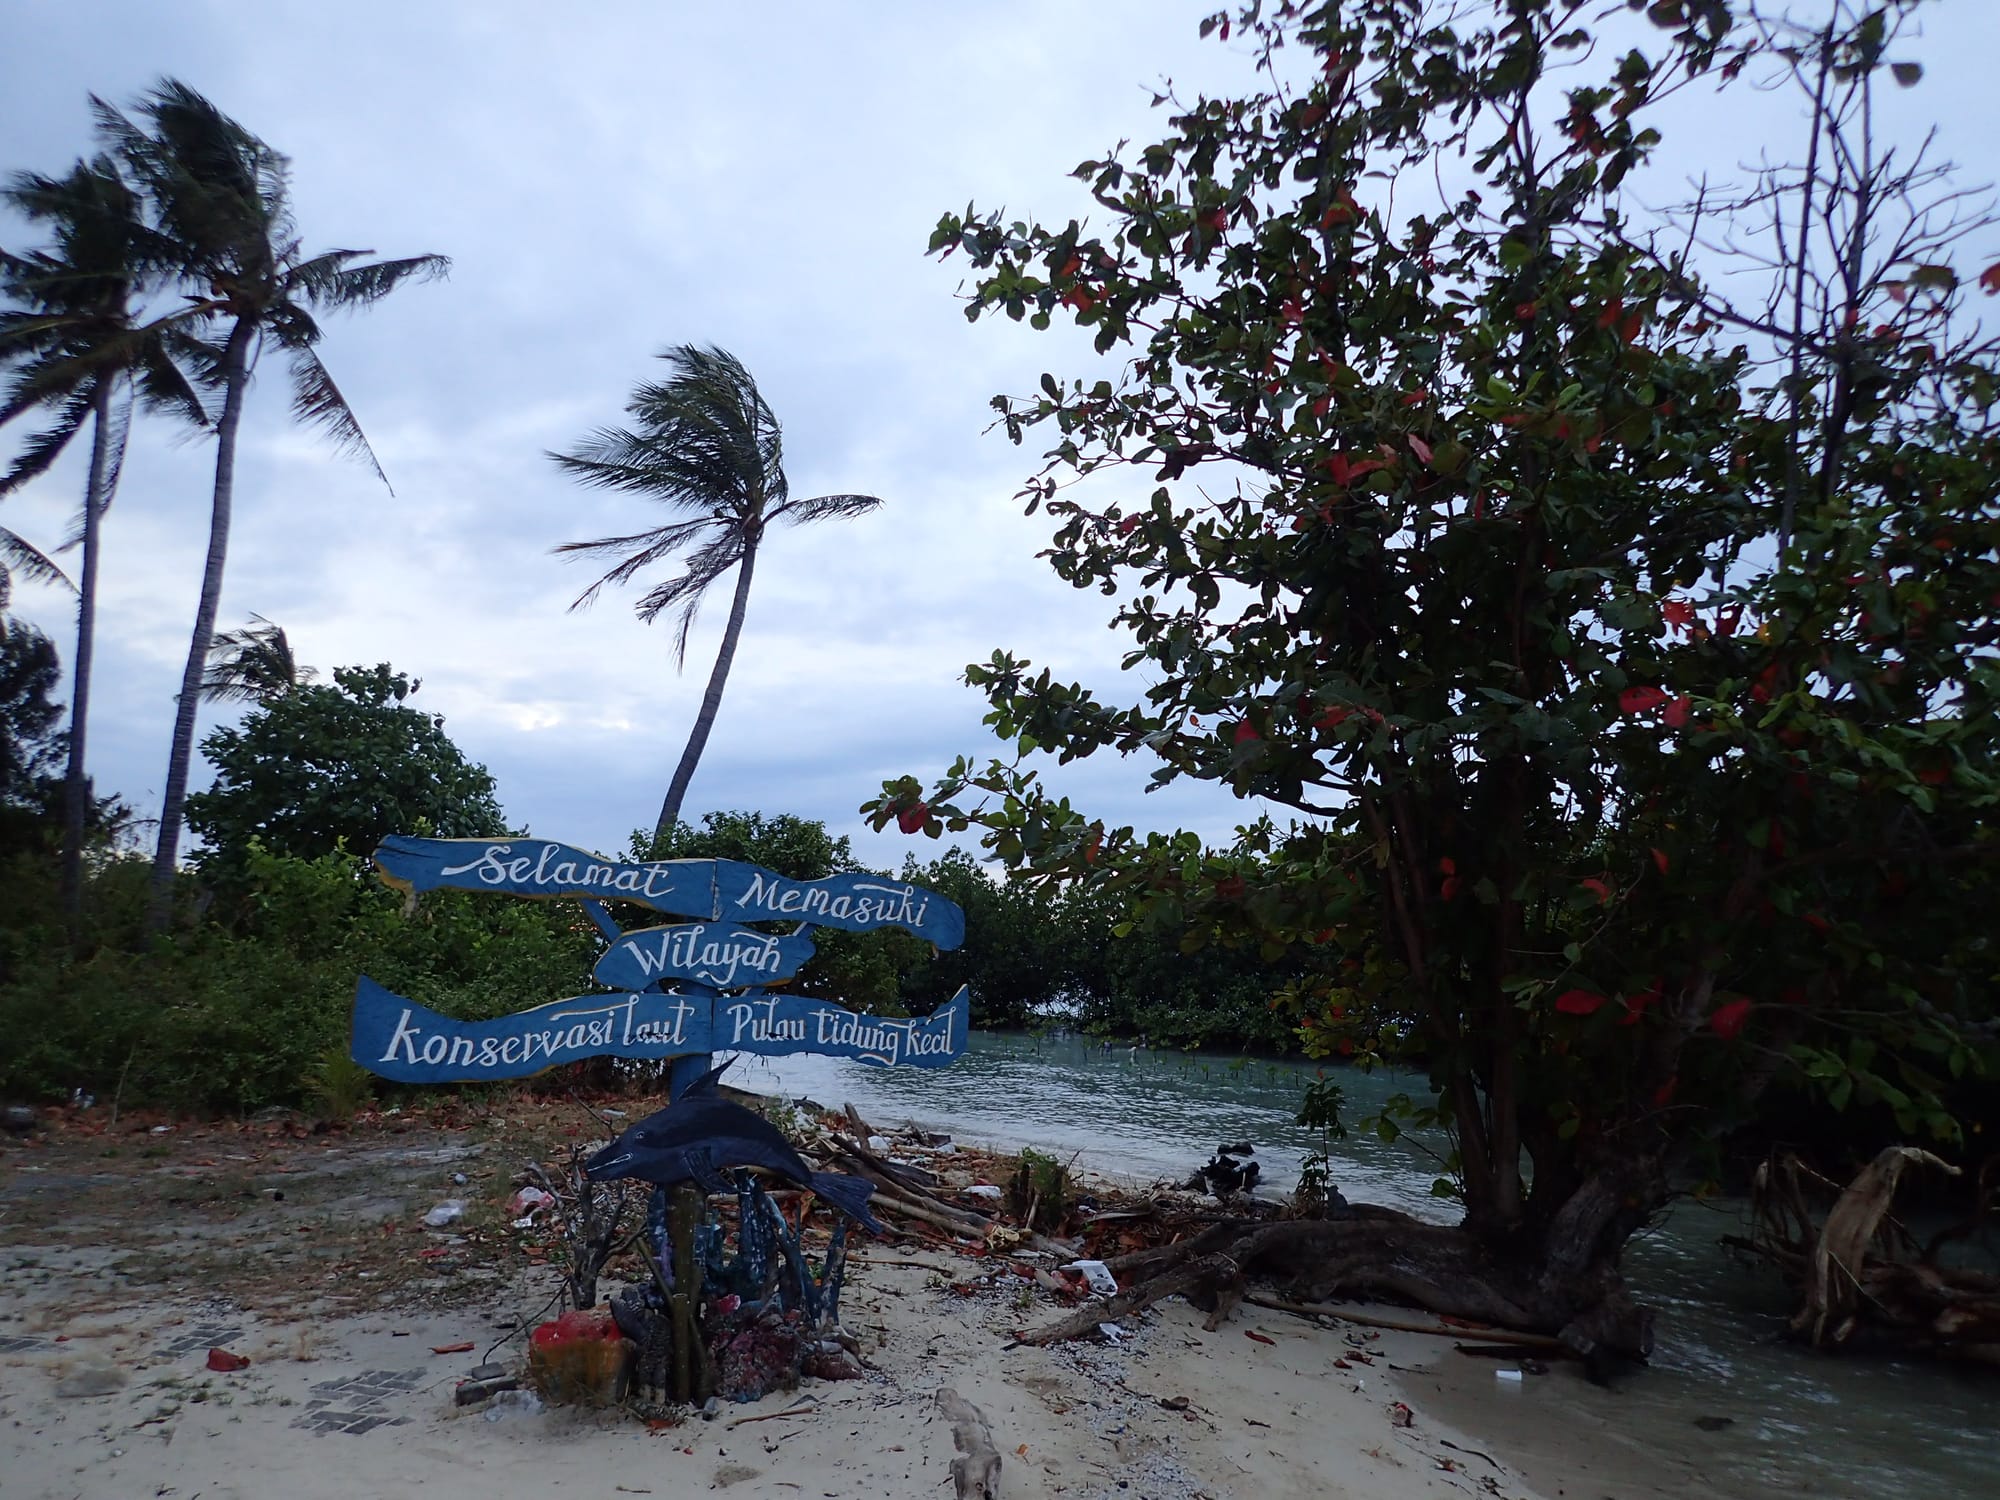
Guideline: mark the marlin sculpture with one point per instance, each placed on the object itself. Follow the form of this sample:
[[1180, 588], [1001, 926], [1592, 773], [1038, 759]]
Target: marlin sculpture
[[701, 1135]]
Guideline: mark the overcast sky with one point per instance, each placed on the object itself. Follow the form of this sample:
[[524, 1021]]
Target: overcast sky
[[610, 179]]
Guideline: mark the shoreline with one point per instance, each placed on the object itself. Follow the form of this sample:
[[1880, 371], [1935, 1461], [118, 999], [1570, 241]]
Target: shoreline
[[360, 1404], [126, 1255]]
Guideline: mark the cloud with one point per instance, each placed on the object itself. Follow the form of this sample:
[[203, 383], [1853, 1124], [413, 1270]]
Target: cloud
[[609, 180]]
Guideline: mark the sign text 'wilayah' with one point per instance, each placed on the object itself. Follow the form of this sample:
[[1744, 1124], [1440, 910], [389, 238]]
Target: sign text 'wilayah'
[[720, 955]]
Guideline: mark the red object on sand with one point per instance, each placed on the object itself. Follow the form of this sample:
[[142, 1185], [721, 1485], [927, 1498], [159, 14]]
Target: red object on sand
[[572, 1327], [464, 1348], [223, 1360]]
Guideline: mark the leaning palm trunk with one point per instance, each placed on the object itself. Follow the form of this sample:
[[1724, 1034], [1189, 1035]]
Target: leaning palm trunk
[[76, 783], [711, 699], [236, 376]]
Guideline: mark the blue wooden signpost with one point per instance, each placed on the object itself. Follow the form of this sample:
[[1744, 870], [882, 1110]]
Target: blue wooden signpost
[[680, 991], [677, 993]]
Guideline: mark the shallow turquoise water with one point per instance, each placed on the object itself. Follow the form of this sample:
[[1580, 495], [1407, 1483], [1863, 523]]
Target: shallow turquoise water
[[1803, 1424]]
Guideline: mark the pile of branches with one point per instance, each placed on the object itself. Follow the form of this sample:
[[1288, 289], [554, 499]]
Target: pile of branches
[[905, 1192], [1864, 1280]]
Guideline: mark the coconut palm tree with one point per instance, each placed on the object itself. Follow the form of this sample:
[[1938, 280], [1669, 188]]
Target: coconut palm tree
[[72, 338], [222, 196], [253, 665], [707, 446]]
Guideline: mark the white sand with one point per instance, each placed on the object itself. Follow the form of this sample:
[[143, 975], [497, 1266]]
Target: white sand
[[1266, 1420]]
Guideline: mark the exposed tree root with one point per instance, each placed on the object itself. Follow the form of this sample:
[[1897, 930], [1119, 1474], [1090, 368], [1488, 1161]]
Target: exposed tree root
[[1383, 1255], [1860, 1276]]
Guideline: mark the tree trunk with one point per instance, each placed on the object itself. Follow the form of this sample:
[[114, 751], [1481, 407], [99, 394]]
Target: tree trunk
[[236, 376], [76, 785], [711, 700]]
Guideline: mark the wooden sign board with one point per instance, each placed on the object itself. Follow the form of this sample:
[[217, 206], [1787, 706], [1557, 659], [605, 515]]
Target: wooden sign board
[[711, 889], [721, 955], [720, 964], [410, 1043]]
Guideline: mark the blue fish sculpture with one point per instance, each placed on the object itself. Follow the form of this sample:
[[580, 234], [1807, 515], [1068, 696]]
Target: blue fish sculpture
[[701, 1136]]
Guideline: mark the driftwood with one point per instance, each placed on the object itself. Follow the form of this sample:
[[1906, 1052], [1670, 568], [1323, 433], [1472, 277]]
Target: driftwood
[[879, 1166], [899, 1195], [1537, 1342], [1209, 1274], [976, 1470], [1861, 1277]]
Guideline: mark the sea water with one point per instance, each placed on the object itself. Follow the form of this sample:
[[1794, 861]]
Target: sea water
[[1798, 1423]]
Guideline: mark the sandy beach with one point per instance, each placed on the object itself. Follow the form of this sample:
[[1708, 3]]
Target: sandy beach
[[359, 1405], [127, 1255]]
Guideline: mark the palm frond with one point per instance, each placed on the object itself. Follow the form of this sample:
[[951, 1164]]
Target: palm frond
[[823, 508], [316, 400], [642, 550], [18, 554], [253, 665], [327, 281], [219, 193], [683, 594], [164, 385], [43, 448]]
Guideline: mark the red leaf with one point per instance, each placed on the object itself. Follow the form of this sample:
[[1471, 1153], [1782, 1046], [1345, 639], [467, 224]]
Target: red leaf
[[1990, 278], [1333, 718], [1638, 700], [1421, 448], [1598, 889], [1637, 1005], [1677, 713], [224, 1361], [1728, 1019], [1249, 1333], [1246, 731], [911, 819], [465, 1348], [1660, 859], [1728, 618], [1525, 311], [1579, 1002], [1665, 1092], [1678, 613], [1447, 866], [1613, 311], [1448, 888]]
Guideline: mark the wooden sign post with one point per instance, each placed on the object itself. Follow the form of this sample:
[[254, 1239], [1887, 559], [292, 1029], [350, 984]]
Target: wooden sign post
[[678, 992]]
